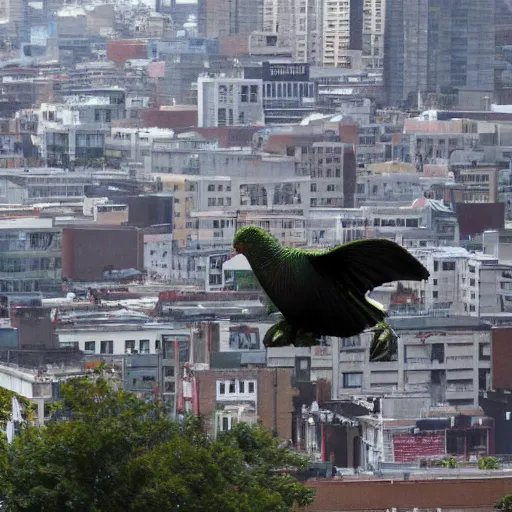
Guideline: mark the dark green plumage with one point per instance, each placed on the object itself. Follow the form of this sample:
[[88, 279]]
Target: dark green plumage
[[281, 334], [325, 292]]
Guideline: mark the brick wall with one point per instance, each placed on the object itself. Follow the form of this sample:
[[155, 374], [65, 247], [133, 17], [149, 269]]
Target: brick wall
[[456, 494], [265, 378], [501, 354]]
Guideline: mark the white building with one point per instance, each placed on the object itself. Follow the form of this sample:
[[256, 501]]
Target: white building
[[119, 339], [463, 283], [337, 35], [223, 101]]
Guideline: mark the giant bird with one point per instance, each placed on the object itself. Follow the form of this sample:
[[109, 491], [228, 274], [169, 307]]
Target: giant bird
[[324, 293]]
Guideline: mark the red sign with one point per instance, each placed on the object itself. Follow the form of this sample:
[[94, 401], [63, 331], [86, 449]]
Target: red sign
[[410, 448]]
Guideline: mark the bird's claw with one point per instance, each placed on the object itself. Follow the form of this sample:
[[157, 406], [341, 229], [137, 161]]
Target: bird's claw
[[384, 345]]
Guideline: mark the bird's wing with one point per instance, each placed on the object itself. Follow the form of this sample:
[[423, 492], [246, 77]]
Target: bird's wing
[[363, 265]]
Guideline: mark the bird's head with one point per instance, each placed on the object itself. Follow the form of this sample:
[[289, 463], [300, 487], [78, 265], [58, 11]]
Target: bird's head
[[250, 236]]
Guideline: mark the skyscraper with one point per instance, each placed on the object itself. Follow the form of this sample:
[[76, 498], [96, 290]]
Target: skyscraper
[[439, 46], [405, 49]]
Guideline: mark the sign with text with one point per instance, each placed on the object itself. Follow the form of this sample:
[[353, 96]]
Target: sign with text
[[286, 72]]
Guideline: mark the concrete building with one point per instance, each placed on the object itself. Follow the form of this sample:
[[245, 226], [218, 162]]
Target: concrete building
[[226, 101], [464, 283], [440, 361], [73, 132]]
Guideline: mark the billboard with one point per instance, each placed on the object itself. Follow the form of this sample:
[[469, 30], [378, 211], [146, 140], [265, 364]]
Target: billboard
[[275, 72], [411, 448], [241, 337]]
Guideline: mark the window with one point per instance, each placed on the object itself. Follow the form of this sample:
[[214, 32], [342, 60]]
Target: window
[[254, 94], [352, 380], [222, 388], [107, 347], [484, 352], [330, 188], [129, 345], [313, 187], [448, 266], [244, 95], [435, 295], [231, 387], [241, 386], [251, 387], [170, 387], [211, 188], [90, 347], [144, 346]]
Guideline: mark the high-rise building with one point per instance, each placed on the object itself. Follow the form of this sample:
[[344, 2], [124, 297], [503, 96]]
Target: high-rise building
[[405, 46], [461, 49], [374, 22], [307, 30], [439, 46], [342, 33], [217, 18]]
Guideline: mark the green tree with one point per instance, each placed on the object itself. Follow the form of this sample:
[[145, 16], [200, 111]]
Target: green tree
[[504, 504], [112, 452]]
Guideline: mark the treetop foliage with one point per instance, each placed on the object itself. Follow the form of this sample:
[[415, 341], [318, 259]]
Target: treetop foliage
[[111, 452]]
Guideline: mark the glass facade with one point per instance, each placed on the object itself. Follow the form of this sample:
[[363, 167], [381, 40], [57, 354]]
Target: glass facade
[[30, 260]]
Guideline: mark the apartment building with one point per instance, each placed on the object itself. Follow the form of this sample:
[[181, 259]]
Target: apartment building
[[374, 23], [342, 30]]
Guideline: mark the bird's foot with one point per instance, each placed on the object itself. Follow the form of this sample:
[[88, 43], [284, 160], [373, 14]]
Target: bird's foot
[[282, 334]]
